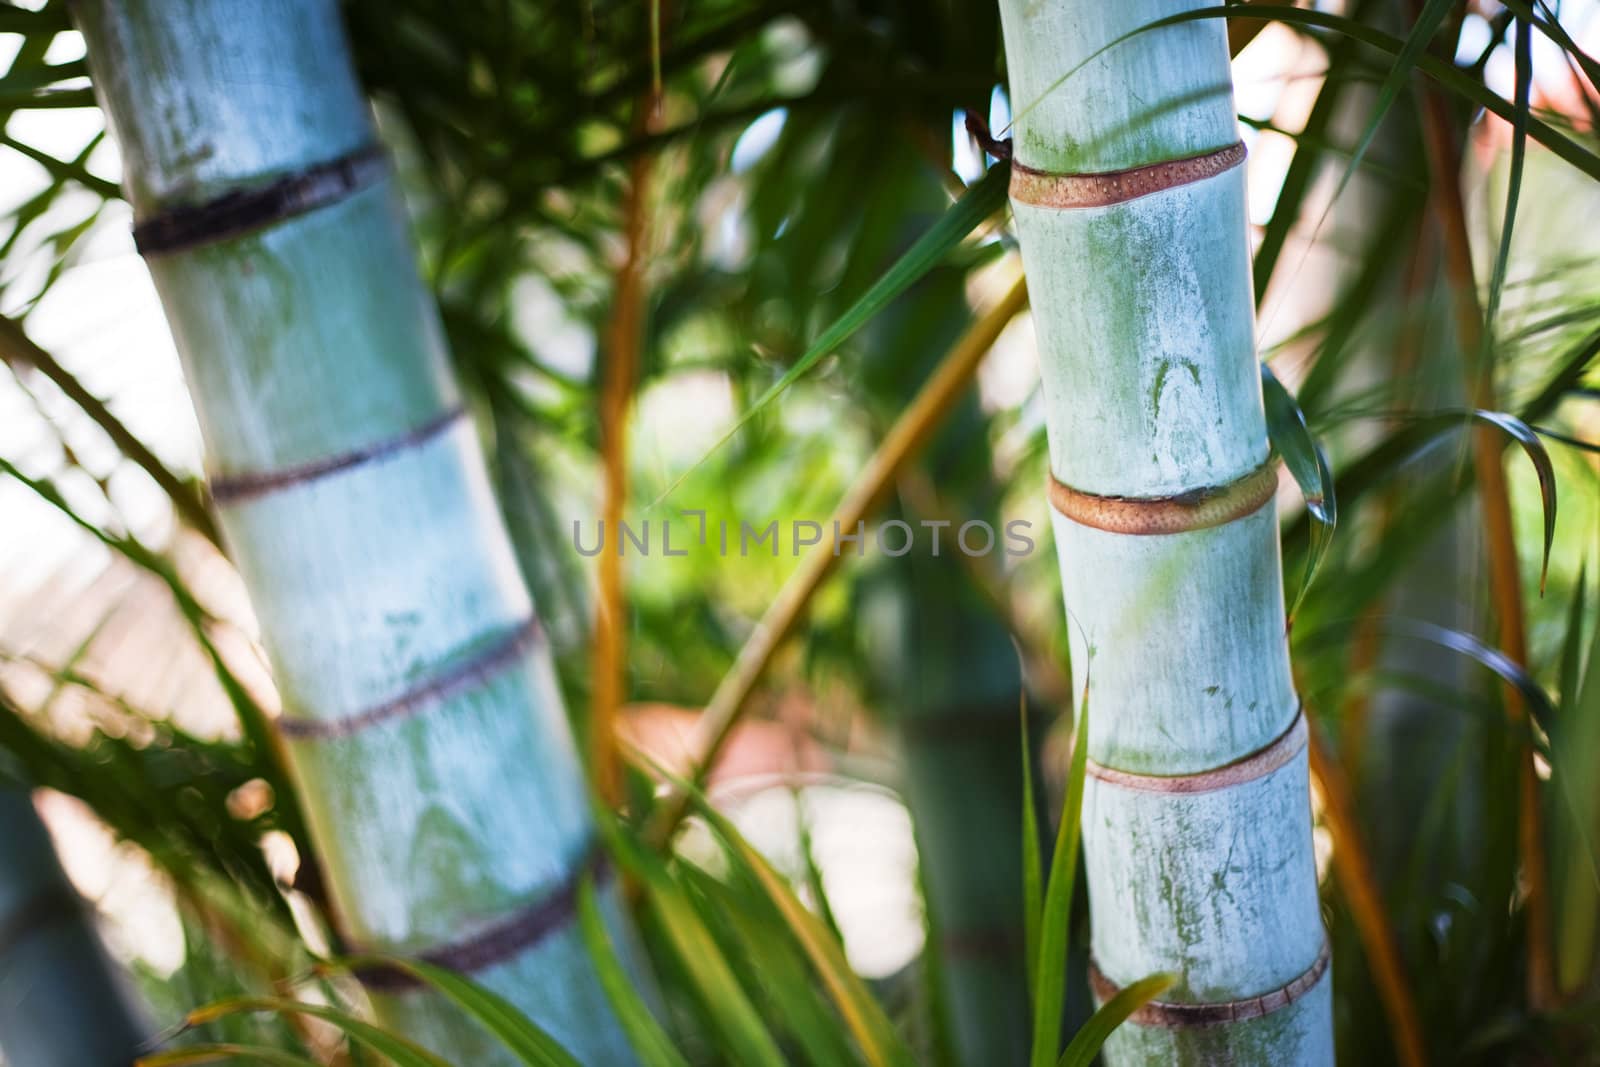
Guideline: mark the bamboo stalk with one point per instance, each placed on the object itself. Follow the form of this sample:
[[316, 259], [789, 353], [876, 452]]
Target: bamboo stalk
[[64, 1003], [1505, 581], [442, 789], [904, 439], [1129, 204]]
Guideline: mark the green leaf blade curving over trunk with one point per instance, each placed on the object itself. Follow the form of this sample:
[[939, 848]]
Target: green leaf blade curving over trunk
[[1128, 195], [422, 719]]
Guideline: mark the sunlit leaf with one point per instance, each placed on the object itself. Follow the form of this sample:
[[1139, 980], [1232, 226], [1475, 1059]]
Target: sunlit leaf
[[1085, 1044]]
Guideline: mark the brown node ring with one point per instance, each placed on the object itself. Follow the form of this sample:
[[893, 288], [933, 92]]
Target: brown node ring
[[504, 652], [234, 488], [243, 211], [1042, 188], [503, 939], [1147, 516], [1258, 764], [1173, 1015]]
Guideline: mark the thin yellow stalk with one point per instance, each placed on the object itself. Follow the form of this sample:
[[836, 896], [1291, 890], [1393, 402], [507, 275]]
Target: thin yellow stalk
[[904, 439], [1353, 867], [616, 402]]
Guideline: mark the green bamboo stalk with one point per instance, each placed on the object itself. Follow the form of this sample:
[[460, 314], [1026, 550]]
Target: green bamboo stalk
[[1196, 823], [423, 723], [63, 1003]]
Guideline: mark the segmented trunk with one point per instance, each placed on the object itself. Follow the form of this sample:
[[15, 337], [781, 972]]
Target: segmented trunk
[[421, 717], [62, 1002], [1128, 193]]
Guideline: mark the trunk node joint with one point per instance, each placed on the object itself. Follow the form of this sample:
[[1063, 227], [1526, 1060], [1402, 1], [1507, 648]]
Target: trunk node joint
[[233, 488], [1042, 188], [1173, 1015], [243, 211], [504, 652], [1197, 509], [1258, 764], [503, 939]]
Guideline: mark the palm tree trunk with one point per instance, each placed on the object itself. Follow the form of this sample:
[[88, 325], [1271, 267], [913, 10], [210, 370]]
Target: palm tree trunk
[[62, 1001], [421, 716], [1129, 200]]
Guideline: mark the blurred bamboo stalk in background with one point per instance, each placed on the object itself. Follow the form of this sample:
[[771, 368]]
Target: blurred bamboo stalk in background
[[62, 1002], [422, 718], [1128, 193]]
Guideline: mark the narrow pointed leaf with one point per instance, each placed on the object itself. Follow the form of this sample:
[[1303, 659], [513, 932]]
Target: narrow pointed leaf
[[519, 1034], [259, 1054], [1085, 1044], [649, 1040], [978, 203], [398, 1050], [1050, 980], [1291, 438]]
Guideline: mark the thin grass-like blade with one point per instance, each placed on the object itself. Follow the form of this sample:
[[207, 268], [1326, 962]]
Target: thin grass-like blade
[[1085, 1044], [649, 1040], [979, 202], [397, 1049], [519, 1034], [1050, 980], [193, 1054], [1291, 438]]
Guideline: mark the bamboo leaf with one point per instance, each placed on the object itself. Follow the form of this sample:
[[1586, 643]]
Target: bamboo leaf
[[979, 202], [1050, 981], [192, 1054], [1032, 875], [1439, 70], [400, 1051], [732, 1013], [1427, 24], [521, 1035], [1532, 446], [726, 1003], [862, 1014], [1291, 438], [649, 1040], [1519, 151], [1085, 1044]]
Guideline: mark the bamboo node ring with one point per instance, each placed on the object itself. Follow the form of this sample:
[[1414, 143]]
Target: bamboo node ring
[[242, 211], [505, 651], [503, 939], [1258, 764], [233, 488], [1173, 1015], [1197, 509], [1042, 188]]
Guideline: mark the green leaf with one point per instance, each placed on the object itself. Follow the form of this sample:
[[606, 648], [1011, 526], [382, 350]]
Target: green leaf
[[649, 1040], [1050, 981], [734, 1016], [879, 1043], [400, 1051], [1291, 438], [1441, 71], [978, 203], [1532, 446], [1112, 1014], [1519, 152], [521, 1035], [183, 1057], [1032, 869]]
